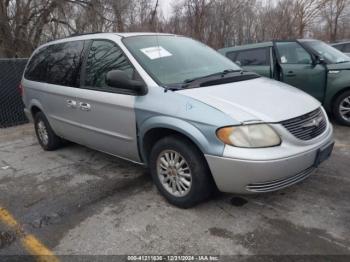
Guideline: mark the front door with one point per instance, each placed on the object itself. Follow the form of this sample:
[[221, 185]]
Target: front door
[[299, 70], [106, 114]]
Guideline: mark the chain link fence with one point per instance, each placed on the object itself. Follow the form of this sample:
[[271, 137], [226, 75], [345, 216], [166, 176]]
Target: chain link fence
[[11, 105]]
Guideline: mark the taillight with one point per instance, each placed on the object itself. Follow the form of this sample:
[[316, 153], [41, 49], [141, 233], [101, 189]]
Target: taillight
[[20, 89]]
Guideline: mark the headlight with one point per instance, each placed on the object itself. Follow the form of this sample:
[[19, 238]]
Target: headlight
[[249, 136]]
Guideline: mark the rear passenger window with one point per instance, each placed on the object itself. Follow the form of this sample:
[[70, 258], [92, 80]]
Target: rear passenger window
[[105, 56], [346, 48], [65, 63], [58, 64], [253, 57], [339, 47]]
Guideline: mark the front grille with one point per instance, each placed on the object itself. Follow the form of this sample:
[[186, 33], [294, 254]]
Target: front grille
[[281, 183], [308, 126]]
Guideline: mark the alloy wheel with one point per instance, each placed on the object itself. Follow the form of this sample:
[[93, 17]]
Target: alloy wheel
[[174, 173], [344, 108], [42, 133]]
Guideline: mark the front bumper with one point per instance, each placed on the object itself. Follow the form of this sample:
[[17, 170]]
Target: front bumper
[[247, 176]]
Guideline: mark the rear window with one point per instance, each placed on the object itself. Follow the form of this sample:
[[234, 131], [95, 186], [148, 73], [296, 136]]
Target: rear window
[[253, 57], [58, 64]]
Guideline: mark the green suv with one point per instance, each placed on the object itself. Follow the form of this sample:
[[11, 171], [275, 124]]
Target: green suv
[[310, 65]]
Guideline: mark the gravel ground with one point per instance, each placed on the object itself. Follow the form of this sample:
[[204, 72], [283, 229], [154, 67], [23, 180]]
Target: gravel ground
[[78, 201]]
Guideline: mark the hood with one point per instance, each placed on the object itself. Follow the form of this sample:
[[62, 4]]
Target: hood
[[259, 99], [341, 66]]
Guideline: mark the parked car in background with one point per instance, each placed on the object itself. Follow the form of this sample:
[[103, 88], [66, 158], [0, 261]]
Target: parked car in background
[[310, 65], [343, 46], [179, 107]]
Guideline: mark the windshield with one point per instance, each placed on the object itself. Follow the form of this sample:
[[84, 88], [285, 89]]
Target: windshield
[[332, 55], [173, 59]]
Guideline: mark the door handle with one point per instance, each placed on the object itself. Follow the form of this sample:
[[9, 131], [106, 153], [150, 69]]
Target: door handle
[[291, 74], [85, 106], [71, 103]]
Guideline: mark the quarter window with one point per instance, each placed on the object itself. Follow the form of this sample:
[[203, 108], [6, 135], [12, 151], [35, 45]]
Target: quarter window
[[293, 53], [58, 64], [105, 56], [253, 57], [37, 67]]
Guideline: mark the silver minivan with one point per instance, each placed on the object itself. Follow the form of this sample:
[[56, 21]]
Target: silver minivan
[[196, 119]]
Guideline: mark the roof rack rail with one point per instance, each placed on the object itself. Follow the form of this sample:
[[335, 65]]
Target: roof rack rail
[[80, 34]]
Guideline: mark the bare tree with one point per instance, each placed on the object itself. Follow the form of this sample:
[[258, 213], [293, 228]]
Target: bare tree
[[25, 24], [152, 21], [306, 11], [120, 9], [333, 13], [22, 24], [196, 12]]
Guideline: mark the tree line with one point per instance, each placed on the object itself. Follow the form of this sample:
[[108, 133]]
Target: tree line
[[25, 24]]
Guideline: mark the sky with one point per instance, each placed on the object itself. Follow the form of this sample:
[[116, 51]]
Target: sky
[[165, 5]]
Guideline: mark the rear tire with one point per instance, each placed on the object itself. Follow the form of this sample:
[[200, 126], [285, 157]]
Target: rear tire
[[341, 109], [180, 172], [47, 138]]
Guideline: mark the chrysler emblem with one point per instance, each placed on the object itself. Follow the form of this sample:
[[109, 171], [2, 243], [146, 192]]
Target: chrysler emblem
[[313, 123]]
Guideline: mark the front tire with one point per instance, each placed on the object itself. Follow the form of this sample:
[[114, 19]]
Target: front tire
[[180, 172], [47, 138], [341, 109]]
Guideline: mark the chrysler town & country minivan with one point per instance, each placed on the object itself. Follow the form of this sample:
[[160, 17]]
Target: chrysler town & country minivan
[[178, 107]]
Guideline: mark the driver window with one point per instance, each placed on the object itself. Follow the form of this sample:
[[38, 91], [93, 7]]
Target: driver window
[[293, 53], [103, 57]]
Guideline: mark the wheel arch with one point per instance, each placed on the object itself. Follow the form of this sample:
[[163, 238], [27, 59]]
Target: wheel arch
[[336, 95], [159, 127], [155, 134], [334, 110], [35, 107]]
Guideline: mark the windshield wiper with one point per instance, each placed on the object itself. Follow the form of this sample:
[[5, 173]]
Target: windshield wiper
[[176, 87], [222, 74]]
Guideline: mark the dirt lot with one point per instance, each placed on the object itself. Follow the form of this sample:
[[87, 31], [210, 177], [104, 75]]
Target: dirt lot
[[79, 201]]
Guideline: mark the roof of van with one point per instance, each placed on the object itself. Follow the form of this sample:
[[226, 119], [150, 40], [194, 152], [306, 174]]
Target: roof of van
[[88, 36], [122, 35], [140, 34]]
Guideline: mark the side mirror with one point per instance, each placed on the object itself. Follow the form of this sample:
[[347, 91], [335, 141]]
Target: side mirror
[[119, 79], [320, 60]]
